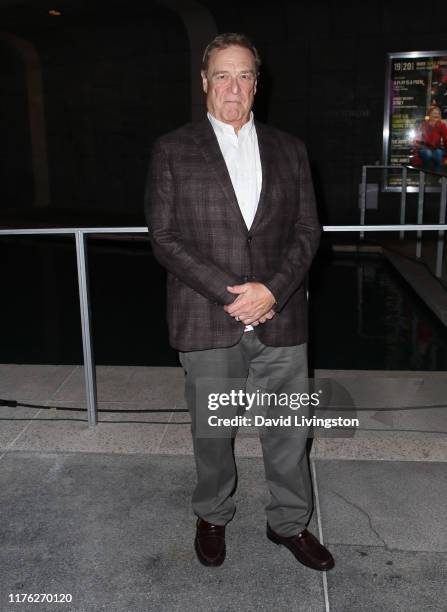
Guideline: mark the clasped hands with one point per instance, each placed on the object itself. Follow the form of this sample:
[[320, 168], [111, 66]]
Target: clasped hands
[[253, 304]]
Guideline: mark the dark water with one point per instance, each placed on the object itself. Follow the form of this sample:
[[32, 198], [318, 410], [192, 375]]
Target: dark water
[[362, 315], [365, 316]]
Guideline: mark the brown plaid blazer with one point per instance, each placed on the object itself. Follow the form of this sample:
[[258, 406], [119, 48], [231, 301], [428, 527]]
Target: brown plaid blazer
[[198, 233]]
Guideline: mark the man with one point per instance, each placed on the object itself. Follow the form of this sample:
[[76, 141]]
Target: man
[[231, 215]]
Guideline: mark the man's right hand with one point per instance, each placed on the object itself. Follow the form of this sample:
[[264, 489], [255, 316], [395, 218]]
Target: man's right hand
[[253, 302]]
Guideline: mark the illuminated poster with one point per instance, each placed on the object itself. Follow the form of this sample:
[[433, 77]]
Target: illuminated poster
[[415, 82]]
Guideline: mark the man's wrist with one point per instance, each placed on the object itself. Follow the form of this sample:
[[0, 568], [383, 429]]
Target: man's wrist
[[273, 296]]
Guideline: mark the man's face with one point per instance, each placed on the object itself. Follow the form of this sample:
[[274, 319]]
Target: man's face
[[230, 84]]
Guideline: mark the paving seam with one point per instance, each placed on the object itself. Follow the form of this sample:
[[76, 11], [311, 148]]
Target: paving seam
[[8, 448], [157, 450], [320, 532]]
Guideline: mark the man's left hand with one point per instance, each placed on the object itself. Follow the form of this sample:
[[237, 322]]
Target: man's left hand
[[253, 301]]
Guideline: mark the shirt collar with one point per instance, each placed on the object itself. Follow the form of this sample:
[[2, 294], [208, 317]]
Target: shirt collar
[[226, 128]]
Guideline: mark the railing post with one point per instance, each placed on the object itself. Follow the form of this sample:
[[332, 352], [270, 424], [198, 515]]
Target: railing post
[[403, 200], [363, 200], [442, 210], [420, 213], [84, 301]]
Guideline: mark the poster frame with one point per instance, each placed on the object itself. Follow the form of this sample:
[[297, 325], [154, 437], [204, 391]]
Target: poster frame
[[404, 55]]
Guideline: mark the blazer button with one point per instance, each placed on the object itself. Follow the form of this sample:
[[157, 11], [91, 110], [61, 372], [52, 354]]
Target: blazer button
[[249, 239]]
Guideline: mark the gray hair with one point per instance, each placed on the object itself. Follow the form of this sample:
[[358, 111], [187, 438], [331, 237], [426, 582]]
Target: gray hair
[[230, 39]]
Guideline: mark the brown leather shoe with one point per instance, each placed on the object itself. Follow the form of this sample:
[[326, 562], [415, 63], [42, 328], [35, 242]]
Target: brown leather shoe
[[210, 543], [306, 548]]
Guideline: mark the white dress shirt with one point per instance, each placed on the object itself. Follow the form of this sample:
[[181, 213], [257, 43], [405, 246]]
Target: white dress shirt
[[241, 154]]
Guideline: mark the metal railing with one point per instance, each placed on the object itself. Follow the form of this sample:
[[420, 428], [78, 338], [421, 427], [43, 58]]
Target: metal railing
[[420, 210], [81, 234]]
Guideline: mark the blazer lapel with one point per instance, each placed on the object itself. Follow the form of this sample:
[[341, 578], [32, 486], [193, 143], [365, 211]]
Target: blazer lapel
[[207, 141], [266, 148]]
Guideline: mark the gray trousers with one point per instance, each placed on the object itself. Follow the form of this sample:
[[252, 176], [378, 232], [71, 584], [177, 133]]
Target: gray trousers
[[285, 458]]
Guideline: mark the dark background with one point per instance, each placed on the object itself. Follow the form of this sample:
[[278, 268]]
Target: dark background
[[116, 74], [82, 97]]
